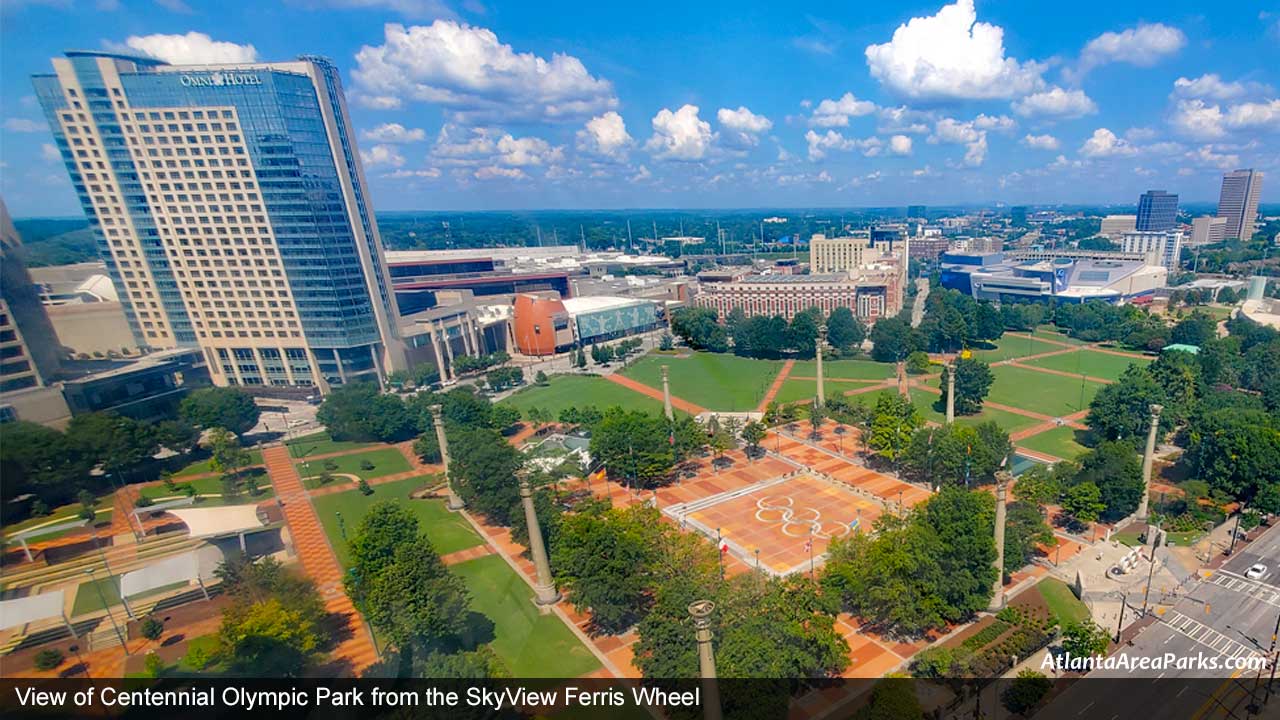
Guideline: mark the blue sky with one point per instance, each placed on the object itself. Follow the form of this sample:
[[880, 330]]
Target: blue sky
[[479, 104]]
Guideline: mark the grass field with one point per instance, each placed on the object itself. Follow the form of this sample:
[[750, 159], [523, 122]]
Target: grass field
[[386, 461], [1089, 362], [1009, 347], [846, 369], [322, 444], [1063, 442], [211, 486], [530, 644], [206, 466], [1052, 395], [1008, 421], [449, 532], [1061, 601], [565, 391], [713, 380], [1051, 332], [794, 390]]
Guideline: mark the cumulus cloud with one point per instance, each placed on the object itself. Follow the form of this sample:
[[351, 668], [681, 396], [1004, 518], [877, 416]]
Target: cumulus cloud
[[514, 151], [475, 77], [904, 120], [1041, 142], [1212, 87], [192, 48], [493, 172], [999, 123], [382, 155], [1261, 115], [680, 135], [956, 132], [23, 125], [426, 173], [819, 145], [457, 142], [1056, 102], [745, 126], [951, 55], [1207, 155], [394, 133], [1104, 143], [486, 146], [836, 112], [605, 135], [1197, 119], [1144, 46], [899, 145]]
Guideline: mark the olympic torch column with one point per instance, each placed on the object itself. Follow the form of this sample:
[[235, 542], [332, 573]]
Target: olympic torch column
[[821, 400], [951, 393], [666, 395], [1002, 494], [701, 611], [455, 503], [545, 588], [1148, 458]]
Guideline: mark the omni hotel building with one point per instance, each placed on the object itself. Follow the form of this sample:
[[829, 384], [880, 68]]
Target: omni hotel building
[[231, 210]]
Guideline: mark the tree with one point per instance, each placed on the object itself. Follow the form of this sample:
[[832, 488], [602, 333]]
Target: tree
[[415, 599], [360, 412], [633, 445], [504, 416], [893, 425], [88, 506], [754, 432], [152, 628], [1117, 472], [802, 334], [36, 459], [483, 471], [119, 443], [387, 526], [605, 561], [580, 360], [540, 378], [223, 407], [918, 363], [892, 340], [1024, 530], [1235, 450], [666, 343], [1083, 502], [892, 699], [973, 381], [844, 331], [1123, 408], [228, 457], [1026, 691], [427, 447], [503, 378], [892, 579], [176, 435], [700, 329], [1085, 639], [1196, 329], [268, 638], [957, 454], [966, 519]]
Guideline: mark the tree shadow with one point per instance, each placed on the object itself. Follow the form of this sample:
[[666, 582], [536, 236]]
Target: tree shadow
[[480, 630]]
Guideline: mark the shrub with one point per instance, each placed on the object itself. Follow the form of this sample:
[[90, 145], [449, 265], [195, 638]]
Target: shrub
[[152, 628], [330, 465], [1025, 691], [197, 657], [48, 659], [153, 665], [326, 477], [364, 487], [39, 508], [366, 465], [144, 501]]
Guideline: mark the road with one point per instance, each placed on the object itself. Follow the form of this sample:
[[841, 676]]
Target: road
[[1224, 618], [917, 309]]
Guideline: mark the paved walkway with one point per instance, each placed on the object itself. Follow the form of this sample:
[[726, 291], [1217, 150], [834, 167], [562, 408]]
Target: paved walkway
[[678, 403], [772, 392], [356, 651]]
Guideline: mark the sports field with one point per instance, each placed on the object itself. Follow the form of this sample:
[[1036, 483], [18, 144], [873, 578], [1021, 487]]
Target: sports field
[[565, 391], [1089, 362], [715, 381]]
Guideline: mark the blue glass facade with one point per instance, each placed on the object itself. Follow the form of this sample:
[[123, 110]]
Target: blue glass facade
[[1157, 211]]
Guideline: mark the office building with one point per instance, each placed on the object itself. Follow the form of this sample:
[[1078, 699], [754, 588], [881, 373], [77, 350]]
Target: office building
[[1238, 202], [1157, 211], [839, 254], [1113, 226], [874, 292], [231, 210], [1160, 248], [29, 349], [1207, 230]]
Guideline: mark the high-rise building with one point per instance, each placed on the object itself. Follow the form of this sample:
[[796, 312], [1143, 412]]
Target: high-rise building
[[230, 207], [1206, 230], [1157, 211], [29, 350], [839, 254], [1161, 248], [1238, 202]]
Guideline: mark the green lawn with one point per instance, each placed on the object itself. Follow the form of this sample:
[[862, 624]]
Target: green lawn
[[1008, 421], [846, 369], [565, 391], [449, 532], [715, 381], [1051, 332], [321, 444], [1063, 442], [211, 486], [793, 390], [1009, 347], [1089, 362], [530, 643], [88, 599], [386, 461], [1061, 601], [201, 467], [1052, 395]]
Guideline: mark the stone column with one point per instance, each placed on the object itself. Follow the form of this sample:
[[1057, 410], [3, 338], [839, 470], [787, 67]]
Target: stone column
[[951, 393], [455, 502], [544, 588], [902, 380], [701, 611], [666, 395], [1148, 458], [821, 400], [1002, 495]]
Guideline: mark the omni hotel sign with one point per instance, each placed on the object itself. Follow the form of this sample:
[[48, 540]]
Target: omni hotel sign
[[220, 79]]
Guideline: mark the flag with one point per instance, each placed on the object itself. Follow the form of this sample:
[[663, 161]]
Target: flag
[[724, 548], [854, 525], [808, 546]]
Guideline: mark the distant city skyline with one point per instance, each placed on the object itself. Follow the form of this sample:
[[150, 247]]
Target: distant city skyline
[[512, 106]]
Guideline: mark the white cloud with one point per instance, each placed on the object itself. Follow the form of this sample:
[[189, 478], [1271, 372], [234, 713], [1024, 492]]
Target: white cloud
[[976, 152], [819, 145], [1197, 119], [1056, 102], [492, 172], [193, 48], [951, 55], [1213, 87], [1140, 134], [382, 155], [605, 135], [427, 173], [1041, 142], [955, 132], [50, 153], [1144, 46], [1000, 123], [899, 145], [515, 151], [745, 125], [475, 77], [680, 135], [457, 142], [836, 113], [1261, 115], [394, 133], [1104, 143], [23, 125], [486, 146], [1208, 156], [904, 120], [641, 175]]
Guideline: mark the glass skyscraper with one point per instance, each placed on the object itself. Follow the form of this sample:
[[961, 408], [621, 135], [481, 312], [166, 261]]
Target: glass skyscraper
[[230, 207], [1157, 211], [1238, 202]]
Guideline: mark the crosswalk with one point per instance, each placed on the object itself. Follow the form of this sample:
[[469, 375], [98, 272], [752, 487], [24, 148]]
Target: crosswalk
[[1206, 635], [1265, 593]]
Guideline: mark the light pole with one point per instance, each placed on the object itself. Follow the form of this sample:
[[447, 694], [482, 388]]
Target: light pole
[[103, 597], [701, 611]]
